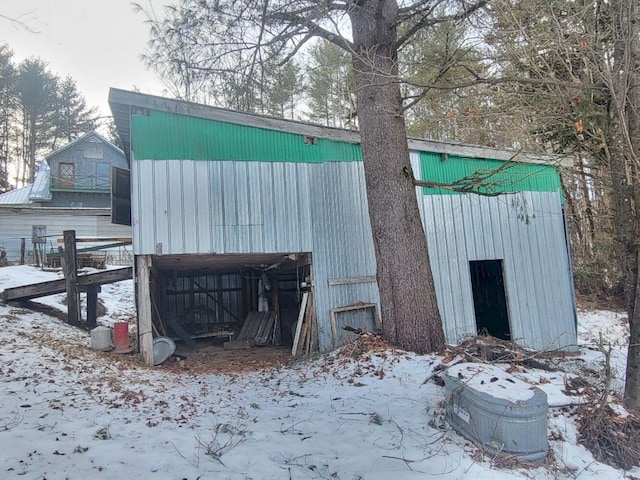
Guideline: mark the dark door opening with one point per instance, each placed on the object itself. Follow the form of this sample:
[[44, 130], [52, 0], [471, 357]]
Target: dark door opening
[[489, 298]]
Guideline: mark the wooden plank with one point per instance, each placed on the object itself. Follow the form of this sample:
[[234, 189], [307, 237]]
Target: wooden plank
[[303, 338], [92, 249], [265, 336], [52, 287], [351, 280], [313, 338], [35, 290], [305, 341], [277, 334], [108, 276], [355, 306], [262, 327], [303, 308], [268, 338], [126, 240], [239, 344], [243, 335], [215, 333], [145, 327], [254, 326]]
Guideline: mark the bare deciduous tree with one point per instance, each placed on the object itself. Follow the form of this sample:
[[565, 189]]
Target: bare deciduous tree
[[236, 36]]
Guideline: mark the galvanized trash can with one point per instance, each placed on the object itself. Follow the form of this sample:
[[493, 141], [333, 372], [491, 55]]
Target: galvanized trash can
[[498, 412]]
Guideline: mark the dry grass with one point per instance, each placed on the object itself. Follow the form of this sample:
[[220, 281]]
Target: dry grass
[[611, 438]]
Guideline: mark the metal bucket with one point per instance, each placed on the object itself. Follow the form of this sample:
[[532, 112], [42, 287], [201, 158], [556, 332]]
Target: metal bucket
[[121, 338], [101, 339], [163, 348]]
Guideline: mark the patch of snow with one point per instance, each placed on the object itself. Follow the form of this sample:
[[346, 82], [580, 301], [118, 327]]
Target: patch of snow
[[492, 380], [67, 411]]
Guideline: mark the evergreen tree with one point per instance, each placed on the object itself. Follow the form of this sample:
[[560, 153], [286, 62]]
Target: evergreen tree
[[330, 92], [38, 101], [73, 117], [284, 85], [7, 112]]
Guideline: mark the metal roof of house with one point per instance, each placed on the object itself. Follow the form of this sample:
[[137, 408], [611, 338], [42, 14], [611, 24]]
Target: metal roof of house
[[125, 103], [19, 196], [38, 191]]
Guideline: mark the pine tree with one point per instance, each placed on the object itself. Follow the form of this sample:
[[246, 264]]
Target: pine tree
[[73, 117]]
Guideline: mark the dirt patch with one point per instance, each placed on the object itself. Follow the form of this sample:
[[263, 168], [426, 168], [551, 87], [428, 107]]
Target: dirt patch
[[211, 357]]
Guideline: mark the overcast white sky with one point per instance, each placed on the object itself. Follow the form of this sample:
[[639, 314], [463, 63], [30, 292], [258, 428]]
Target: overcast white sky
[[96, 42]]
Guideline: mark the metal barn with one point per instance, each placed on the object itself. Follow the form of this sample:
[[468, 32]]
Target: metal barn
[[234, 213]]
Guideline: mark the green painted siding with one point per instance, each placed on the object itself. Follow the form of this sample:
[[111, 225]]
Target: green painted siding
[[515, 177], [167, 136]]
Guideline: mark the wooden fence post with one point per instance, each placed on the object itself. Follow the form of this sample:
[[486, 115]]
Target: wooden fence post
[[70, 269], [142, 277]]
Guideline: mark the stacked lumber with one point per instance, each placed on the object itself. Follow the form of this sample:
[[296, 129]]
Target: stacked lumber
[[305, 340], [259, 328]]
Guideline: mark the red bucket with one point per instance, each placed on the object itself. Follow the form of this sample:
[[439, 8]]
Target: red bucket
[[121, 337]]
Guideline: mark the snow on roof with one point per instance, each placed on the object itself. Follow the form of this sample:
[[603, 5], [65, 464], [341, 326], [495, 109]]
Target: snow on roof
[[40, 190]]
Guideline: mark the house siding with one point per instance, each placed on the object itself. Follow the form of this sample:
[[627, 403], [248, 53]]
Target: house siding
[[17, 223], [81, 154]]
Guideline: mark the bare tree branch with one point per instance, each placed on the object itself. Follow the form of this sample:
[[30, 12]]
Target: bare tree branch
[[425, 19]]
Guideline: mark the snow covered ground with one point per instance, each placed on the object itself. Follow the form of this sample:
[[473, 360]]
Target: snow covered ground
[[68, 412]]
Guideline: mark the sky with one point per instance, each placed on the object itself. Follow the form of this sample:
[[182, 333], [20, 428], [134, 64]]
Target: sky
[[69, 411], [98, 43]]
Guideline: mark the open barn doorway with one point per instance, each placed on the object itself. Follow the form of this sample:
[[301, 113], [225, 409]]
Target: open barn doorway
[[489, 298], [239, 301]]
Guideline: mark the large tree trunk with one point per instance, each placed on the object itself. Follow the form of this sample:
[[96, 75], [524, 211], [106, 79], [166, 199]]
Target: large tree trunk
[[624, 157], [410, 313]]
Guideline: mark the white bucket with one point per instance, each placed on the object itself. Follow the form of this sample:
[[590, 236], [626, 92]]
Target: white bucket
[[101, 338]]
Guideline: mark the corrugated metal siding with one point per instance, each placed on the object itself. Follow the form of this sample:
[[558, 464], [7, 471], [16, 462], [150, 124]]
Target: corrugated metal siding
[[526, 231], [221, 207], [182, 207], [249, 207], [508, 177], [168, 136], [342, 241]]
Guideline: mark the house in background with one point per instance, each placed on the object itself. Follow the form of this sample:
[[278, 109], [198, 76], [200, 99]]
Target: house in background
[[234, 213], [71, 191]]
